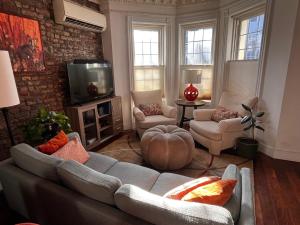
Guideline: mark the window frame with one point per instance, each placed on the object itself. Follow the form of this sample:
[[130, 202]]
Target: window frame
[[161, 50], [182, 66], [237, 22]]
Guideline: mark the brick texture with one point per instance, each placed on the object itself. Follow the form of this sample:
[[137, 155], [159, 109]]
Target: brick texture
[[47, 88]]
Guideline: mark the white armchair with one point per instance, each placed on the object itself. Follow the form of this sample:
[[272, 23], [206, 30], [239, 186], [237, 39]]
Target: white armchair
[[143, 122], [220, 136]]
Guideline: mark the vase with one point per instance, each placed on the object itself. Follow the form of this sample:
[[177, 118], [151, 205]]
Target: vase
[[191, 93]]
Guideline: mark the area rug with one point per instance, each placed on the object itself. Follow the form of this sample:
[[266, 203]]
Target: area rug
[[127, 149]]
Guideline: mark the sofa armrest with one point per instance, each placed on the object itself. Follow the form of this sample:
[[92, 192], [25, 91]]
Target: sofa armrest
[[138, 114], [169, 111], [163, 211], [231, 125], [203, 114], [247, 213]]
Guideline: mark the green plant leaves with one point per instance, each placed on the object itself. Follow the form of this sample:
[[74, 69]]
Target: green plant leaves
[[259, 127], [245, 119], [260, 114], [45, 126], [247, 108]]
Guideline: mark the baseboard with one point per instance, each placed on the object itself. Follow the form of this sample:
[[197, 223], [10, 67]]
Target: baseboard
[[277, 153]]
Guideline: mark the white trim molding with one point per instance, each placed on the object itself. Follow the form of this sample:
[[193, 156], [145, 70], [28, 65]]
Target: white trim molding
[[279, 153]]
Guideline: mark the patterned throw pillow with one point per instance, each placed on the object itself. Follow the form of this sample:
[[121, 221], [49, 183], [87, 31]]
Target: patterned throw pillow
[[151, 109], [73, 150], [222, 113]]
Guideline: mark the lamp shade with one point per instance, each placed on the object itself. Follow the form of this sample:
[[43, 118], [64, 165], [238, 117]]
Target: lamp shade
[[8, 89]]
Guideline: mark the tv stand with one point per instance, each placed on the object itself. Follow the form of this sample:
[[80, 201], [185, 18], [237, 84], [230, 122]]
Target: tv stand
[[97, 122]]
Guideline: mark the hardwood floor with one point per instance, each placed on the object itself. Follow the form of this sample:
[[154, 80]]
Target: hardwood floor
[[277, 191]]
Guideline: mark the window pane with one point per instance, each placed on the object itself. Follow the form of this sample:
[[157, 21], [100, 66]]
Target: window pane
[[146, 47], [152, 79], [199, 35], [208, 34], [138, 60], [190, 36], [198, 47], [250, 38], [207, 46], [196, 43], [241, 55], [154, 48]]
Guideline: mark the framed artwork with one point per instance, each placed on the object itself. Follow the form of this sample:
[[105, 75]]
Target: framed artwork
[[22, 38]]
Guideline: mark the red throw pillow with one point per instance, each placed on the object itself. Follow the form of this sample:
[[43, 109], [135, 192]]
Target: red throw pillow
[[54, 144], [151, 109], [180, 191], [215, 193], [73, 150], [222, 113]]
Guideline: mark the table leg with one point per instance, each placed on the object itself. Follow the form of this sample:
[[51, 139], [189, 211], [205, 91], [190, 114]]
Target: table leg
[[182, 116]]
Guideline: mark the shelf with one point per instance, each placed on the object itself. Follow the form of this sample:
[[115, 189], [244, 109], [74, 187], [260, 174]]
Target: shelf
[[105, 127], [89, 125], [104, 115], [105, 138]]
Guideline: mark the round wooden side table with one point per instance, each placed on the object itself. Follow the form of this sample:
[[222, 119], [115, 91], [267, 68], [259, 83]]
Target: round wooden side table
[[184, 104]]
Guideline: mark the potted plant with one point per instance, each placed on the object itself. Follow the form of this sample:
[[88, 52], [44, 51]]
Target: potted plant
[[247, 147], [45, 126]]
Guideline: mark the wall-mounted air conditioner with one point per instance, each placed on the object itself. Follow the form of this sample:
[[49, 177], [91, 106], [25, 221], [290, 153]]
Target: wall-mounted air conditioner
[[72, 14]]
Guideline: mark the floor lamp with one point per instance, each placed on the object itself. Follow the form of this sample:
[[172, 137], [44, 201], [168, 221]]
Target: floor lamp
[[8, 90]]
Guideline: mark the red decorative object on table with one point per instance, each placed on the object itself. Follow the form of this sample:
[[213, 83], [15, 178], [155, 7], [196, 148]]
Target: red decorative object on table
[[191, 93]]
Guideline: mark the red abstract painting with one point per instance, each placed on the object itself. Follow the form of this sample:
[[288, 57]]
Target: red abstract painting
[[22, 38]]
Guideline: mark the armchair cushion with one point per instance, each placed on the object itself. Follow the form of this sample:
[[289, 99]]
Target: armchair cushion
[[169, 111], [208, 129], [151, 121], [138, 114], [203, 114], [231, 125], [162, 211]]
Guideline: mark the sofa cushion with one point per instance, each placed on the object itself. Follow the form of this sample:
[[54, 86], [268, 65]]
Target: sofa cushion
[[151, 121], [168, 181], [35, 162], [163, 211], [137, 175], [99, 162], [234, 203], [208, 129], [88, 182]]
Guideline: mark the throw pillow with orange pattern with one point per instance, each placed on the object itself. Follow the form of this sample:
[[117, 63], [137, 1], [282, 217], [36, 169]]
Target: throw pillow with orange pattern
[[73, 150], [54, 143], [215, 193], [151, 109], [180, 191], [222, 113]]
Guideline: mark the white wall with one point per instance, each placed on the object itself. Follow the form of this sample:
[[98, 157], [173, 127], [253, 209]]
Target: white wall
[[281, 35], [288, 142]]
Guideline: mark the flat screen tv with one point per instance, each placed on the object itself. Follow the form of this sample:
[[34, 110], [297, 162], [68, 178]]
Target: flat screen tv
[[90, 81]]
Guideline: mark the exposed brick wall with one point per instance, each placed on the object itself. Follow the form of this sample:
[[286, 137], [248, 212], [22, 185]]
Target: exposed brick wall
[[49, 87]]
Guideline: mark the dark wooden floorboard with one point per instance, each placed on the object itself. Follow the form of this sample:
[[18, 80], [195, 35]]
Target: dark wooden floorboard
[[277, 191]]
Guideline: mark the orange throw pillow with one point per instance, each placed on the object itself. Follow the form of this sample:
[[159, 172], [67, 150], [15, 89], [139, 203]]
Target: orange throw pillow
[[180, 191], [54, 143], [73, 150], [216, 193]]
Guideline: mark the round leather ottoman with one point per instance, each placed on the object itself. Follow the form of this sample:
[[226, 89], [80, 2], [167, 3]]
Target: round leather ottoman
[[167, 147]]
